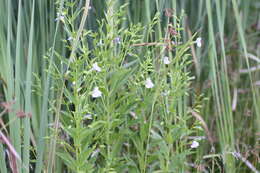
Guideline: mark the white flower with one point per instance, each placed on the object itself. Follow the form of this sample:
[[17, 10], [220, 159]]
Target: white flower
[[100, 43], [198, 41], [126, 144], [60, 16], [149, 83], [69, 38], [194, 144], [133, 114], [96, 93], [88, 116], [96, 67], [95, 153], [117, 40], [166, 60]]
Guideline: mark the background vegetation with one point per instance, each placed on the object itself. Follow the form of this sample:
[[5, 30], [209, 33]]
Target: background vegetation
[[150, 112]]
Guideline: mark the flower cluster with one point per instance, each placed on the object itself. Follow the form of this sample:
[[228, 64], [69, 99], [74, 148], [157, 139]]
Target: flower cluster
[[198, 42]]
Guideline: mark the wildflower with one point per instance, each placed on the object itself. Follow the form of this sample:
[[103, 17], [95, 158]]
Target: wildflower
[[133, 114], [69, 38], [78, 90], [100, 43], [95, 153], [88, 116], [198, 42], [60, 17], [96, 93], [149, 83], [126, 144], [117, 40], [96, 67], [194, 144], [166, 60]]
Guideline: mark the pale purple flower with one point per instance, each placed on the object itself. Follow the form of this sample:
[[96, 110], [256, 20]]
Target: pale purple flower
[[166, 60], [117, 40], [194, 144], [69, 38], [149, 83], [96, 93], [96, 67], [95, 153], [126, 144], [60, 17], [198, 42], [133, 114], [88, 116]]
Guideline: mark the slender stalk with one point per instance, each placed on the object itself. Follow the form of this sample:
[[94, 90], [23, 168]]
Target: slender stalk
[[60, 96], [44, 109]]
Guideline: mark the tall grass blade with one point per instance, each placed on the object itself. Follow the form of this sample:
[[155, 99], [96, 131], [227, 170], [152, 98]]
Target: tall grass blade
[[44, 109], [222, 97], [18, 81], [28, 96]]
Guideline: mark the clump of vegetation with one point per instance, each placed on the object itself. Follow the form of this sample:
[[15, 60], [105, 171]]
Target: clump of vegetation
[[129, 86], [119, 106]]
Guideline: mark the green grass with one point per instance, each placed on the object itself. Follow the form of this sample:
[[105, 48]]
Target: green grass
[[46, 71]]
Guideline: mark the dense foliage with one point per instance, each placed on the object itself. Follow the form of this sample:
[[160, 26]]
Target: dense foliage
[[129, 86]]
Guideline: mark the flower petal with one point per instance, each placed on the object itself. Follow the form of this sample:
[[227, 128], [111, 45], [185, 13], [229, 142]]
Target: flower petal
[[96, 67], [194, 144], [96, 93], [149, 83], [198, 42], [166, 60]]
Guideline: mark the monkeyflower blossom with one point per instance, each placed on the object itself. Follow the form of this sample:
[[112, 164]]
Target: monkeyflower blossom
[[194, 144], [88, 116], [117, 40], [96, 93], [96, 67], [69, 38], [166, 60], [95, 153], [198, 42], [60, 17], [149, 83]]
